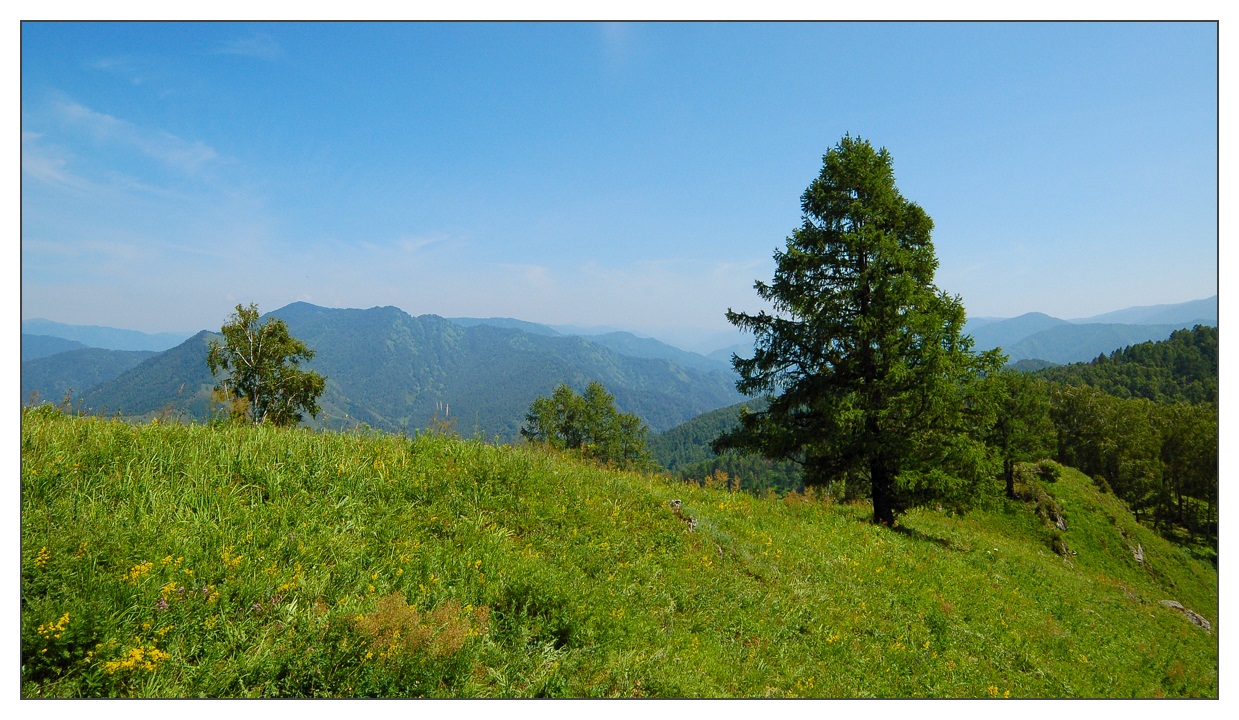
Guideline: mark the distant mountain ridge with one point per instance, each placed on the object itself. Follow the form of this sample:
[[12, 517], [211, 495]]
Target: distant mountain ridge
[[75, 371], [622, 342], [431, 363], [1037, 336], [108, 338], [37, 346], [393, 371], [1196, 312]]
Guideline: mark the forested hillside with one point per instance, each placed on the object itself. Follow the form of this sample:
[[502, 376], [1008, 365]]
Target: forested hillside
[[75, 371], [1184, 367], [1142, 422], [685, 451]]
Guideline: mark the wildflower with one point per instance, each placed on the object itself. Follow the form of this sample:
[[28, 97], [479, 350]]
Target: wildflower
[[161, 604], [137, 572], [54, 629], [44, 556], [137, 658]]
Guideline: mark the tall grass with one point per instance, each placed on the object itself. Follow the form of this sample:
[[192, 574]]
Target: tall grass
[[199, 561]]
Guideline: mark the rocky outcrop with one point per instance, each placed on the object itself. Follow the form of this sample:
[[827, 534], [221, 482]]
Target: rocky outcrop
[[1192, 615]]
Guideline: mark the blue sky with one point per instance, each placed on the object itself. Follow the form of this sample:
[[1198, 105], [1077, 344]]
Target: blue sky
[[637, 176]]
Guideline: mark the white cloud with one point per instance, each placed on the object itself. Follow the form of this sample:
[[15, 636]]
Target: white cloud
[[261, 46], [415, 243], [188, 156]]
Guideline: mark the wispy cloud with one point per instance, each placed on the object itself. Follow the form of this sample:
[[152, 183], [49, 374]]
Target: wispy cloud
[[189, 156], [261, 46], [413, 244]]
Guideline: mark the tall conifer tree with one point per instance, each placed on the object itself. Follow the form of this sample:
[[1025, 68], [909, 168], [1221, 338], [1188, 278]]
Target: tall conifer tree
[[863, 358]]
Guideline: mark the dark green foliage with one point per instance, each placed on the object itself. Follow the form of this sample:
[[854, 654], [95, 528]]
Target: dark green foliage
[[752, 473], [863, 358], [264, 381], [689, 443], [1049, 471], [685, 451], [1184, 367], [1019, 427], [588, 423], [1160, 459]]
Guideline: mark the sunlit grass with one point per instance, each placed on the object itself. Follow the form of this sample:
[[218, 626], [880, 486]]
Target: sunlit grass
[[198, 561]]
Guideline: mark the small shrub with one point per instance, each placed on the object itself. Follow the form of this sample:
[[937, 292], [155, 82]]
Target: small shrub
[[396, 629], [1058, 543], [1049, 471], [1102, 485]]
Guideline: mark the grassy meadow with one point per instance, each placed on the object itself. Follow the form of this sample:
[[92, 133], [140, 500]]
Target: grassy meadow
[[169, 560]]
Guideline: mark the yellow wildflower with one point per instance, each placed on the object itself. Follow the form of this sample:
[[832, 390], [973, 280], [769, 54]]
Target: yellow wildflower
[[54, 629], [137, 572]]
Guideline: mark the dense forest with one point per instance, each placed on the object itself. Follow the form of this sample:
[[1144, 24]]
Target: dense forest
[[1142, 422], [1184, 367]]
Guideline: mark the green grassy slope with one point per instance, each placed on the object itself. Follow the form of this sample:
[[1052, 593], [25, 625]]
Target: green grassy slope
[[187, 561]]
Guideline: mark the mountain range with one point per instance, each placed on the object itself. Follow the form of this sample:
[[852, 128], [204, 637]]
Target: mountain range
[[393, 371], [1037, 336], [97, 336]]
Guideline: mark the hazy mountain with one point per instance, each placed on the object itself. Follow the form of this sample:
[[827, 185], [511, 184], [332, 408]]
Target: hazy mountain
[[1029, 365], [107, 338], [1194, 312], [529, 327], [1072, 343], [977, 322], [1042, 337], [78, 370], [1005, 333], [626, 343], [391, 371], [37, 346], [622, 342], [744, 350]]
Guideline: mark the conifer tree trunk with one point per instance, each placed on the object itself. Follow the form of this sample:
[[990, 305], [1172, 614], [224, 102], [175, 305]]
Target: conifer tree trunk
[[882, 482]]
